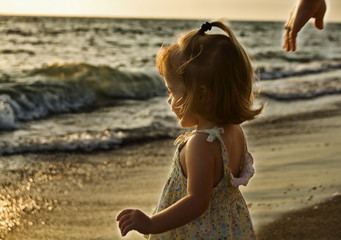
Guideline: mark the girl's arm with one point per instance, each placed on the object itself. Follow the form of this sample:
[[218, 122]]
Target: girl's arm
[[200, 179]]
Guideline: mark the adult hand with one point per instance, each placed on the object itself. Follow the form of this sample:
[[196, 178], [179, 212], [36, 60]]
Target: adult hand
[[133, 219], [299, 16]]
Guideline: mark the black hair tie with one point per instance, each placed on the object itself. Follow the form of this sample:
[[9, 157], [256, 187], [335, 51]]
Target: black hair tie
[[206, 27]]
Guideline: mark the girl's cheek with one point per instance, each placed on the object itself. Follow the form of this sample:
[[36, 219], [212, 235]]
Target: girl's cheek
[[169, 100]]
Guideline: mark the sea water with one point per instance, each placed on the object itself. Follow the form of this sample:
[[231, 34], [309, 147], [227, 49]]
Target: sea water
[[85, 84]]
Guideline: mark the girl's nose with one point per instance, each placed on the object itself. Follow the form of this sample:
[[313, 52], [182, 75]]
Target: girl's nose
[[169, 100]]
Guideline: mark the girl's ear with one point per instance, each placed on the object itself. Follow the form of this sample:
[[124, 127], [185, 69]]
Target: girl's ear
[[204, 94]]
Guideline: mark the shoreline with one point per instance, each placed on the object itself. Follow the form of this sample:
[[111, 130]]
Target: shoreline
[[78, 195]]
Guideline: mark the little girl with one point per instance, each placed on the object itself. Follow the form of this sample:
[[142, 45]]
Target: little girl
[[209, 78]]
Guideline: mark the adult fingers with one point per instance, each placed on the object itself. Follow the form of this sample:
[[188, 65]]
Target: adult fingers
[[319, 23], [286, 40], [288, 28], [289, 39], [320, 15], [286, 36], [292, 40]]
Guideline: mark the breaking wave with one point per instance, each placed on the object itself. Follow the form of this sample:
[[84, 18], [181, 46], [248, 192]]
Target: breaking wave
[[60, 88]]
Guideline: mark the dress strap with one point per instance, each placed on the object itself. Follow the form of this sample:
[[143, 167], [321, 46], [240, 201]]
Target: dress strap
[[215, 133], [247, 169], [183, 138]]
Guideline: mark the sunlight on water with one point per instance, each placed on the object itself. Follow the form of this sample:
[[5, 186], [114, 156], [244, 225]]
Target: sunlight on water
[[12, 210]]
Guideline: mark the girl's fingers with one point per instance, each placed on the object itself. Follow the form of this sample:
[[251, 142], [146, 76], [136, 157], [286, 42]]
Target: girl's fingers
[[127, 229], [131, 219], [124, 212], [125, 226], [124, 219]]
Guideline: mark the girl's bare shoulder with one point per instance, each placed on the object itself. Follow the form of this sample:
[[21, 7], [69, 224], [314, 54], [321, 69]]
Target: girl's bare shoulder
[[198, 142]]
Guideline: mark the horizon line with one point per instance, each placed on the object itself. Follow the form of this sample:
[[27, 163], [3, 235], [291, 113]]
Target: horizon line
[[145, 17], [133, 17]]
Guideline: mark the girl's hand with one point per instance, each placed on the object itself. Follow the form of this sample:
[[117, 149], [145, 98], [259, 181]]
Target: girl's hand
[[134, 219]]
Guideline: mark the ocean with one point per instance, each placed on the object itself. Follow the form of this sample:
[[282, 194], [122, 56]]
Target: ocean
[[87, 84]]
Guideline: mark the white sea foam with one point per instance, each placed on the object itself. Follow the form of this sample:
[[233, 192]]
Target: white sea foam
[[7, 117]]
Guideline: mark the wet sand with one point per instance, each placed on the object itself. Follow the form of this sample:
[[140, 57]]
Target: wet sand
[[77, 195], [321, 221]]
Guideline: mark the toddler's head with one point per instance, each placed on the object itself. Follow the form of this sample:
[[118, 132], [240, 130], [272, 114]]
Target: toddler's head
[[216, 74]]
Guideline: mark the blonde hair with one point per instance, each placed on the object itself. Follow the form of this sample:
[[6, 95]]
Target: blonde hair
[[219, 63]]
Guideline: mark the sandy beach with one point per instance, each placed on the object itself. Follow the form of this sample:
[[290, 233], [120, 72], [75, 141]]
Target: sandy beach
[[78, 195]]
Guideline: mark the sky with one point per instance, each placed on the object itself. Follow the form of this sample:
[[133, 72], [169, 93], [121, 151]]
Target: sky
[[206, 9]]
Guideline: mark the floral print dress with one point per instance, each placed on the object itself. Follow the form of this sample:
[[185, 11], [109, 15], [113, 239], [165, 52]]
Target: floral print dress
[[227, 216]]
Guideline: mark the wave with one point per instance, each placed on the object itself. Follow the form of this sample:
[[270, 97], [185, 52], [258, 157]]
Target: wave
[[281, 55], [17, 51], [27, 102], [272, 73], [18, 32], [60, 88], [104, 80], [299, 96], [74, 87], [90, 140], [303, 88]]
